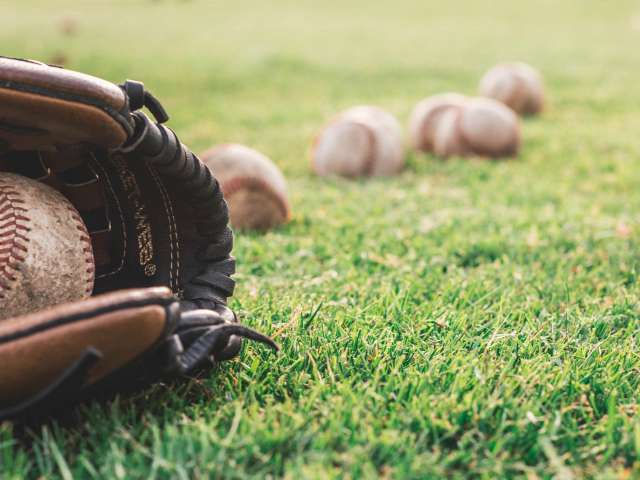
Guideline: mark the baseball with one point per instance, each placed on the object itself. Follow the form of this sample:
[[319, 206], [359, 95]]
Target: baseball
[[426, 117], [517, 85], [482, 127], [448, 140], [254, 187], [361, 141], [46, 257]]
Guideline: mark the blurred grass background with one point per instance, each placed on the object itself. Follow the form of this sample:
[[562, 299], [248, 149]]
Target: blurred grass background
[[467, 318]]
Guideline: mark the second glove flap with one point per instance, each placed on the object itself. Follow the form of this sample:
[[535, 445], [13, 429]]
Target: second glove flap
[[38, 350]]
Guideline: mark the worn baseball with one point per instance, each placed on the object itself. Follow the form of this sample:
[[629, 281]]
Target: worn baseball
[[426, 116], [517, 85], [46, 257], [480, 127], [361, 141], [254, 187]]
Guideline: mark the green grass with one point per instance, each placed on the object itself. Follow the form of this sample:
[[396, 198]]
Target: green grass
[[467, 318]]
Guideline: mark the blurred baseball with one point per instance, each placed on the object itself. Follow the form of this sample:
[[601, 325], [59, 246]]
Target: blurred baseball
[[255, 189], [517, 85], [46, 257], [426, 117], [482, 127], [69, 25], [361, 141]]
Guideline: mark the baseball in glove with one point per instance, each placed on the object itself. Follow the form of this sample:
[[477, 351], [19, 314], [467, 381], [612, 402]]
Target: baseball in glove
[[157, 222]]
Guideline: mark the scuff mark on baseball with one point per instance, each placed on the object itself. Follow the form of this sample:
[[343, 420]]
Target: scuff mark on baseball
[[46, 257], [254, 187], [426, 117], [361, 141], [517, 85]]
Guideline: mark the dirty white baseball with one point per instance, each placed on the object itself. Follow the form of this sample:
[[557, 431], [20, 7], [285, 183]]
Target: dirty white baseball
[[46, 257], [489, 128], [517, 85], [480, 127], [426, 117], [254, 187], [361, 141]]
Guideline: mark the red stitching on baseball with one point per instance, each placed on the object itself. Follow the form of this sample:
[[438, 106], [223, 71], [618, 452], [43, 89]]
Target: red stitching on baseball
[[87, 249], [517, 93], [422, 140], [13, 236]]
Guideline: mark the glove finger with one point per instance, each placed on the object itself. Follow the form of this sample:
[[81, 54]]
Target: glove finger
[[35, 349]]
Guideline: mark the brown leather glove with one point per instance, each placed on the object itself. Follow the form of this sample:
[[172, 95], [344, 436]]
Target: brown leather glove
[[158, 226]]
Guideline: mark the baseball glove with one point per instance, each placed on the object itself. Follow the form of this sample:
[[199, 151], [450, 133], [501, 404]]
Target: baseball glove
[[158, 227]]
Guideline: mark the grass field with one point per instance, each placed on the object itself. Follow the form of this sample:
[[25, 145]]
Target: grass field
[[467, 318]]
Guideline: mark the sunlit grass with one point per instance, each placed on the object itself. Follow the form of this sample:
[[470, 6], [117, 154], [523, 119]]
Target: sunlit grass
[[467, 318]]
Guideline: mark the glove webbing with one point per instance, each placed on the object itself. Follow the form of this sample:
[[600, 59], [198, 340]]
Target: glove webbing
[[201, 332]]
